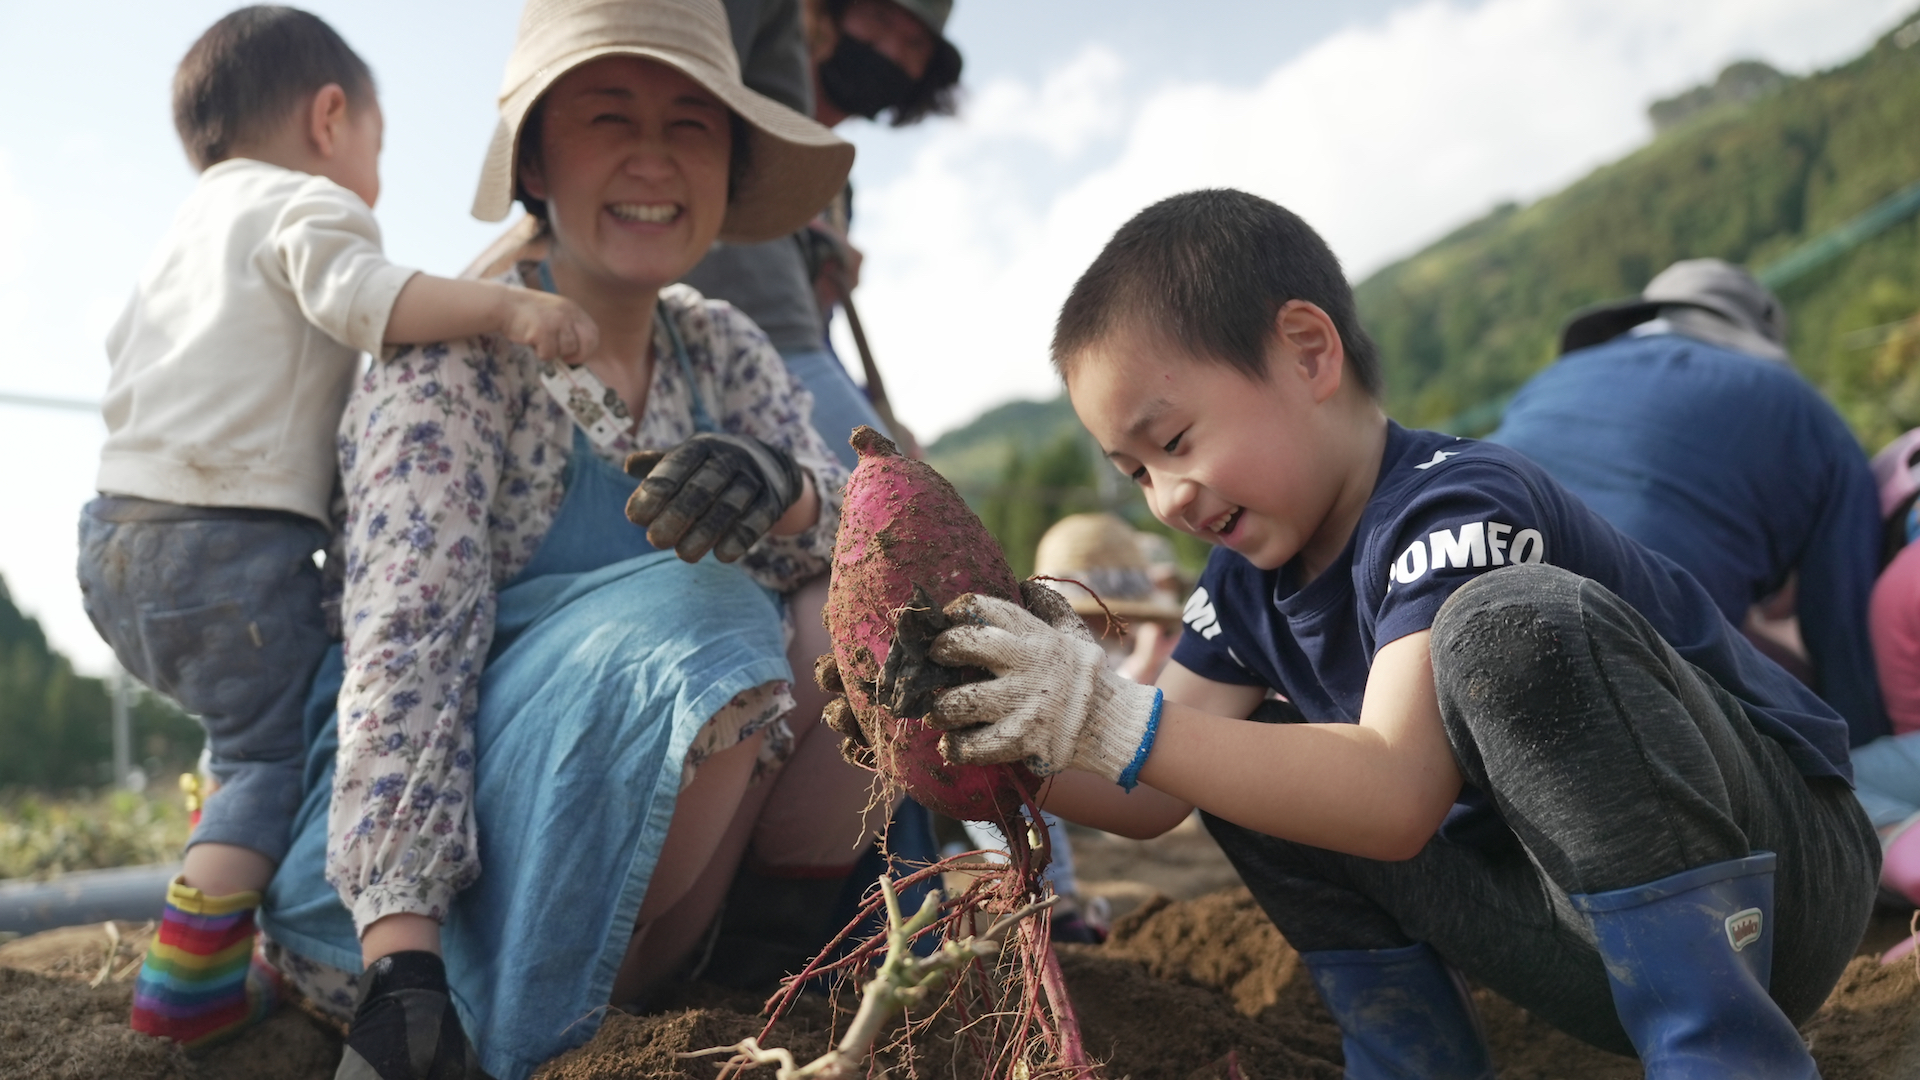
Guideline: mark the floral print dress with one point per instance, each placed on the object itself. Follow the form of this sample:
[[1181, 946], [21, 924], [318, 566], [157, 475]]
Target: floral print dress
[[452, 457]]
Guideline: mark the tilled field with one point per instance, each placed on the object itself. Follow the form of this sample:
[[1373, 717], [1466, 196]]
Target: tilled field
[[1183, 984]]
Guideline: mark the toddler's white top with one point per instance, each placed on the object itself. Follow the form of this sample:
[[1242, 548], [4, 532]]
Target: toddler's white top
[[231, 363]]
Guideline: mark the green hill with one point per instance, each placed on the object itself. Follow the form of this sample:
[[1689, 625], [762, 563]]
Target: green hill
[[1749, 169], [1471, 317], [56, 726]]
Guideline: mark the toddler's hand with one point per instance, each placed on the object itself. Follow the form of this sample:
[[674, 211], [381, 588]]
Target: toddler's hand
[[553, 326]]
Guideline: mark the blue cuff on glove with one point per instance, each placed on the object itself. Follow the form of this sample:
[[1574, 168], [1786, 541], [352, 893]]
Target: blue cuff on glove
[[1130, 776]]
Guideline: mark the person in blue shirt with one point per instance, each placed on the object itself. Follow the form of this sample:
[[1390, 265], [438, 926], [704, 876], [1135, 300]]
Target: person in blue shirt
[[1516, 744], [1678, 417]]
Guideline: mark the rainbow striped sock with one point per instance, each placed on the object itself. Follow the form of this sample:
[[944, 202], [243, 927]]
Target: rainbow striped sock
[[202, 982]]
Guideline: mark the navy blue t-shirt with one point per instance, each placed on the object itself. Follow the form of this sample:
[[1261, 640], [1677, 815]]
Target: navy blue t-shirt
[[1443, 510]]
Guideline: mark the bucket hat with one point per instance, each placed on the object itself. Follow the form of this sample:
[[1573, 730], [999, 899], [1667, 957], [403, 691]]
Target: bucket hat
[[1749, 317], [1104, 554], [797, 164]]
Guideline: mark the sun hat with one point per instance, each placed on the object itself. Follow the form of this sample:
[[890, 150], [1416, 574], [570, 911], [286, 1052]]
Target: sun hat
[[797, 164], [1102, 553], [1704, 298]]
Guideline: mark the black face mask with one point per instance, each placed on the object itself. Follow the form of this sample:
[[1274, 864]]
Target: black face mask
[[860, 81]]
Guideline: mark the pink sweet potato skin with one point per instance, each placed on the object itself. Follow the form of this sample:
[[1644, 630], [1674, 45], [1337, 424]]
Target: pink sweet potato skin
[[902, 524]]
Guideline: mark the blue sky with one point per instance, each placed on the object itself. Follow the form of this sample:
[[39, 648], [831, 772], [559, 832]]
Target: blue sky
[[1384, 122]]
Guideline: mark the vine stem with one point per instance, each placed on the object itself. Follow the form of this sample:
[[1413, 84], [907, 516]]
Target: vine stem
[[1073, 1051], [903, 981]]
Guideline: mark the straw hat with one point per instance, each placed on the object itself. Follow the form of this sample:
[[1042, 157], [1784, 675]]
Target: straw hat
[[1103, 553], [797, 164]]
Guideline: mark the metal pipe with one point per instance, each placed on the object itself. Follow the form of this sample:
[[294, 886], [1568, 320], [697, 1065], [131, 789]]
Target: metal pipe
[[132, 893], [122, 729], [35, 401]]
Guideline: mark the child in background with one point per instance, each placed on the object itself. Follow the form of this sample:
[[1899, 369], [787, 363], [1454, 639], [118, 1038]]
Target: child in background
[[1102, 569], [230, 369], [1887, 770], [1543, 757]]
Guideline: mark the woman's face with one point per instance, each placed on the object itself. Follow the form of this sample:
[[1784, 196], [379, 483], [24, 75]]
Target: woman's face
[[633, 169]]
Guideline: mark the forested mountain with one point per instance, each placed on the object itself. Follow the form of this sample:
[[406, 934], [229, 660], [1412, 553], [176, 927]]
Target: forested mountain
[[1749, 168], [56, 726], [1471, 317]]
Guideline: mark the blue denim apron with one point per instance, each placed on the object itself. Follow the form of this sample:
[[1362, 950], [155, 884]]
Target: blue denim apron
[[608, 656]]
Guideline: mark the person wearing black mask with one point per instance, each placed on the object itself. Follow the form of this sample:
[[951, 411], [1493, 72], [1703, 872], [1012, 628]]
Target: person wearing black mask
[[870, 58], [875, 56]]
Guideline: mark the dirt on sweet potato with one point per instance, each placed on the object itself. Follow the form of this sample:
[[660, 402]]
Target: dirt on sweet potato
[[908, 540]]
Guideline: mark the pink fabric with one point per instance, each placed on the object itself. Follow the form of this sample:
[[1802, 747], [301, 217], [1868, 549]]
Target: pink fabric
[[1893, 620]]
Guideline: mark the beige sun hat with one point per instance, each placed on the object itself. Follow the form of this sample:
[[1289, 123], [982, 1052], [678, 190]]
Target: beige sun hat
[[1102, 553], [797, 164]]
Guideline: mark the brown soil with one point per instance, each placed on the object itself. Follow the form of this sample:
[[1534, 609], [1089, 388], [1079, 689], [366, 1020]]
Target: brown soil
[[1183, 984]]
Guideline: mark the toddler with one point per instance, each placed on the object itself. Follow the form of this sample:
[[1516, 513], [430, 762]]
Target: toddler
[[230, 369]]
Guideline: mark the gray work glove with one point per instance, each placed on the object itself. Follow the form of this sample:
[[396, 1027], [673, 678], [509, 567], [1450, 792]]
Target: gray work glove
[[1053, 704], [714, 492], [404, 1025]]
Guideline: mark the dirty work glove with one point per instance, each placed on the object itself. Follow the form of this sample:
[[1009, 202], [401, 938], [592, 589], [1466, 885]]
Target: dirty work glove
[[404, 1027], [714, 492], [1052, 703]]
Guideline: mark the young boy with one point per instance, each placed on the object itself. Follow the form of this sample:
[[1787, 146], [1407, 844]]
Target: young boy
[[1538, 755], [231, 367]]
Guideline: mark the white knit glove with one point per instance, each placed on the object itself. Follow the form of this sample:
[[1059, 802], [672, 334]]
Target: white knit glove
[[1052, 704]]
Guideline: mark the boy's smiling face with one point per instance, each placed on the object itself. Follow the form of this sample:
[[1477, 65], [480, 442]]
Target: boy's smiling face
[[1271, 468]]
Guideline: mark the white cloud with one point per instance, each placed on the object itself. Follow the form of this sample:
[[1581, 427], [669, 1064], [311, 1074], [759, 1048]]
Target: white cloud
[[16, 226], [1384, 137], [54, 451]]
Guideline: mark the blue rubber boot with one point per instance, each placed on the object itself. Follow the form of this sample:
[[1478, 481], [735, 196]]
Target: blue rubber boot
[[1690, 957], [1403, 1014]]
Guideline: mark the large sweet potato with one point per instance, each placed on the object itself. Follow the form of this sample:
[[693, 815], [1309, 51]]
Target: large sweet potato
[[908, 542]]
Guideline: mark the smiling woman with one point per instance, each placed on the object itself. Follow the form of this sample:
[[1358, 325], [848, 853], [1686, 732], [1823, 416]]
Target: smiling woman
[[529, 682]]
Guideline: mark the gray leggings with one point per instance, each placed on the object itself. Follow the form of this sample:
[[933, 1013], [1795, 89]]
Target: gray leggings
[[219, 609], [1614, 762]]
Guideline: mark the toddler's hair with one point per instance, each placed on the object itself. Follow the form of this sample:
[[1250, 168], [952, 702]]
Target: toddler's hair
[[250, 71], [1208, 271]]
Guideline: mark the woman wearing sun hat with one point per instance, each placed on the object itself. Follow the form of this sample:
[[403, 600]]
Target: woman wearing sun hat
[[550, 723]]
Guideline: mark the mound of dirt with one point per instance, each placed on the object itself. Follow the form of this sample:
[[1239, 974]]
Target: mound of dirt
[[64, 999], [64, 1030], [1182, 988], [1223, 944]]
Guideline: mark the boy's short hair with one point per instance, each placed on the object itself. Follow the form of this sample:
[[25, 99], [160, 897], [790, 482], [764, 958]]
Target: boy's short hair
[[250, 71], [1209, 270]]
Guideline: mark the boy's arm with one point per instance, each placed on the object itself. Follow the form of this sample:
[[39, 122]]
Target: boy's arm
[[1145, 812], [431, 309], [1378, 789]]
